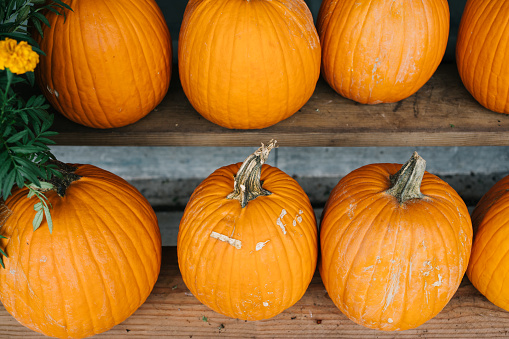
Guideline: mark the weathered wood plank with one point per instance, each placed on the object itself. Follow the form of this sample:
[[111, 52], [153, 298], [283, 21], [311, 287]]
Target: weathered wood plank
[[171, 311], [442, 113]]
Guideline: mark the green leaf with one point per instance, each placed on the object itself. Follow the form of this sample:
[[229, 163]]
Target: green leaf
[[31, 193], [31, 78], [7, 131], [42, 185], [48, 218], [26, 149], [38, 206], [16, 136], [7, 186], [5, 166], [37, 25], [63, 4], [38, 219], [23, 13], [41, 17], [19, 180]]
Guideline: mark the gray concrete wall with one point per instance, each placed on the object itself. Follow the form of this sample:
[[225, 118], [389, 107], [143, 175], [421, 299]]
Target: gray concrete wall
[[168, 175]]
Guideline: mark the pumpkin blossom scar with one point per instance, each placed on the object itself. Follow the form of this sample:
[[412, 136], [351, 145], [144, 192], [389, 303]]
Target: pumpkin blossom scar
[[19, 58]]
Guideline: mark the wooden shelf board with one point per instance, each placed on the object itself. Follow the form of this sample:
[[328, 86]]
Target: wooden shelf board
[[442, 113], [171, 311]]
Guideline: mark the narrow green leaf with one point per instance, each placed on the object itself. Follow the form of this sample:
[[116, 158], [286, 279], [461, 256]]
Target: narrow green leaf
[[24, 117], [7, 186], [29, 170], [46, 141], [48, 219], [31, 78], [38, 219], [16, 136], [41, 17], [63, 4], [38, 206], [43, 185], [10, 6], [27, 149], [37, 25], [7, 131], [31, 193], [20, 181], [4, 167], [23, 13]]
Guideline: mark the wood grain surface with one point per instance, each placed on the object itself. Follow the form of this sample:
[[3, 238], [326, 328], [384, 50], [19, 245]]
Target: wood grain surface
[[171, 311], [442, 113]]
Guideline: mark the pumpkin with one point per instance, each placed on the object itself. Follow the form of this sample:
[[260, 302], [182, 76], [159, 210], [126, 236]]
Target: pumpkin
[[395, 243], [97, 266], [488, 266], [381, 51], [481, 52], [247, 242], [248, 64], [108, 63]]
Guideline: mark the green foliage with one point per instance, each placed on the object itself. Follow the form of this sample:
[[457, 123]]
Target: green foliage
[[17, 17], [23, 138], [25, 123]]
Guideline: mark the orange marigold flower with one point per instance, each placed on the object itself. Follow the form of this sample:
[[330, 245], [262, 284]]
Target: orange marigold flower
[[19, 58]]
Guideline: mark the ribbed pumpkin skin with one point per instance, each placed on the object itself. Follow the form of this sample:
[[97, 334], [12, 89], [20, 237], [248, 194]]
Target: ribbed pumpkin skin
[[381, 51], [108, 63], [248, 64], [96, 268], [272, 270], [481, 52], [389, 266], [489, 264]]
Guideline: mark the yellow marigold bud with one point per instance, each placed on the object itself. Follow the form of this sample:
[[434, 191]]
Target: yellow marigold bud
[[19, 57]]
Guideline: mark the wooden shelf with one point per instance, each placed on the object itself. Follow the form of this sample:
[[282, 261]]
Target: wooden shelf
[[171, 311], [442, 113]]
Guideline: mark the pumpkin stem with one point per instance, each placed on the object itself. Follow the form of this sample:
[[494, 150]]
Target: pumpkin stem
[[406, 183], [247, 185], [67, 176]]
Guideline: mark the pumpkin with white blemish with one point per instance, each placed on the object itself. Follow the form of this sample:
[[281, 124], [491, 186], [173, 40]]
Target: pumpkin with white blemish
[[247, 242], [395, 244], [381, 51]]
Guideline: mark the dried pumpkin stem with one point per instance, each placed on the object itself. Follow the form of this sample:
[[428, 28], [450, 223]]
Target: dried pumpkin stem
[[247, 185], [60, 184], [406, 183]]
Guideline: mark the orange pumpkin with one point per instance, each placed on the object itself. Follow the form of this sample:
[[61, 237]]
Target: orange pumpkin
[[94, 270], [481, 52], [381, 51], [108, 63], [247, 251], [395, 243], [248, 64], [489, 264]]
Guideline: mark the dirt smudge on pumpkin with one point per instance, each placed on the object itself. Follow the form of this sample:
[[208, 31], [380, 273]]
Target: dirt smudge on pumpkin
[[221, 237], [279, 221], [261, 244], [392, 289], [439, 282]]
